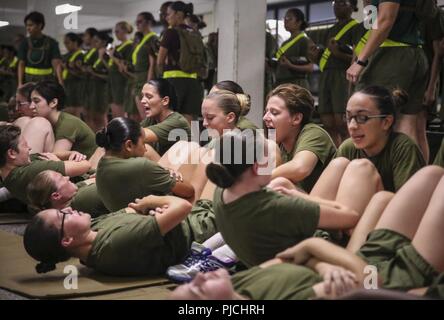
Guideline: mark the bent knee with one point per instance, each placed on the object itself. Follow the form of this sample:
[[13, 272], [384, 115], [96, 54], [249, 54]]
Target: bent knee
[[40, 122], [363, 164], [340, 163], [281, 182], [431, 171], [383, 196]]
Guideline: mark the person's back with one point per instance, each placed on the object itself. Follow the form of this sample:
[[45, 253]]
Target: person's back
[[120, 181]]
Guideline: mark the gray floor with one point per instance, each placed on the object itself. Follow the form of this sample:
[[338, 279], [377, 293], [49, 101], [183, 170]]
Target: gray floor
[[17, 229]]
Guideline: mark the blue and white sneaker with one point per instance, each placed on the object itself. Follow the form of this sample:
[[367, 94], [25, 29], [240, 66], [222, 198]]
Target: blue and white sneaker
[[200, 260]]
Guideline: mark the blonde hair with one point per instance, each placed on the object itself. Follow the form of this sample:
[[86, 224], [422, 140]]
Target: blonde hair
[[39, 191], [125, 26], [238, 103]]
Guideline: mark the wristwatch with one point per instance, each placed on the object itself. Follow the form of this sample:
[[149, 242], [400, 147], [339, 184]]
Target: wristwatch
[[362, 63]]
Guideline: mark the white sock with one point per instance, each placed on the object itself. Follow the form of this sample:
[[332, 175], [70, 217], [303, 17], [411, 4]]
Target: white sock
[[225, 254], [214, 242]]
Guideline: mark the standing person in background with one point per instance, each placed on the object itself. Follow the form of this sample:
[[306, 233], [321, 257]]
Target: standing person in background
[[8, 71], [144, 61], [88, 60], [117, 80], [162, 16], [293, 61], [39, 55], [188, 89], [211, 48], [333, 62], [393, 57], [72, 75], [97, 99]]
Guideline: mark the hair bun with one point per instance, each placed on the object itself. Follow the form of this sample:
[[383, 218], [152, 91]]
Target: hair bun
[[400, 97], [244, 102], [219, 175], [44, 267], [102, 139]]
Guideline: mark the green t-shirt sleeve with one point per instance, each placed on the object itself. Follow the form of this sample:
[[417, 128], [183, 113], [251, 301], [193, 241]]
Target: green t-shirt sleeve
[[439, 159], [67, 130], [160, 181], [38, 166], [345, 150], [317, 142], [407, 160], [162, 130], [295, 216]]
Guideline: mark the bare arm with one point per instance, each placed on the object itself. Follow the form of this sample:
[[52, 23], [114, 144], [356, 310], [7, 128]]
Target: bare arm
[[150, 136], [20, 72], [62, 145], [298, 168], [306, 68], [77, 168], [184, 190], [313, 251], [161, 57], [152, 61], [176, 209], [57, 65]]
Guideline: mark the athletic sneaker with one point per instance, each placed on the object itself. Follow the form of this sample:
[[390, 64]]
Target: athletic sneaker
[[200, 260]]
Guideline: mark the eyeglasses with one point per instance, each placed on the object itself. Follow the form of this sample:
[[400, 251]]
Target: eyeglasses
[[362, 119], [20, 104], [62, 234]]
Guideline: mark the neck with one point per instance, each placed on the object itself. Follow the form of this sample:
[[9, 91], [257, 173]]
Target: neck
[[344, 19], [294, 33], [290, 140], [6, 170], [240, 188], [123, 39], [54, 117], [377, 148], [116, 154], [82, 250], [163, 115]]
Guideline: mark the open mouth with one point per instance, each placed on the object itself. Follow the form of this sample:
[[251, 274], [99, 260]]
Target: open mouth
[[358, 137]]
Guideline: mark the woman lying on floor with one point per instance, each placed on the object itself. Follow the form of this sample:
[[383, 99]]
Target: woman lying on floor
[[130, 242], [402, 231]]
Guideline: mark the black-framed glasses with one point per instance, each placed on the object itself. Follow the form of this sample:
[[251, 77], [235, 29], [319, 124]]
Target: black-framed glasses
[[62, 233], [361, 118]]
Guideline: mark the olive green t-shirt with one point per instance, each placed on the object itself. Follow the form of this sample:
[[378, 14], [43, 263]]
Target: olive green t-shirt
[[244, 123], [81, 136], [346, 39], [396, 163], [150, 48], [121, 181], [406, 27], [296, 54], [284, 281], [261, 224], [90, 57], [43, 51], [123, 53], [66, 59], [129, 244], [162, 130], [87, 200], [315, 139], [19, 178], [439, 159]]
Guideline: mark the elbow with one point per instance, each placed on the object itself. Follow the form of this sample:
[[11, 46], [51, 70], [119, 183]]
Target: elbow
[[352, 218]]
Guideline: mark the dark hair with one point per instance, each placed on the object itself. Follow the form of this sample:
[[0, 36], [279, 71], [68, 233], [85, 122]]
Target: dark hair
[[166, 4], [91, 31], [148, 16], [9, 139], [39, 191], [225, 173], [387, 102], [35, 17], [42, 242], [104, 36], [300, 16], [49, 89], [354, 4], [195, 19], [180, 6], [165, 89], [229, 86], [117, 132], [26, 90], [74, 38], [297, 100]]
